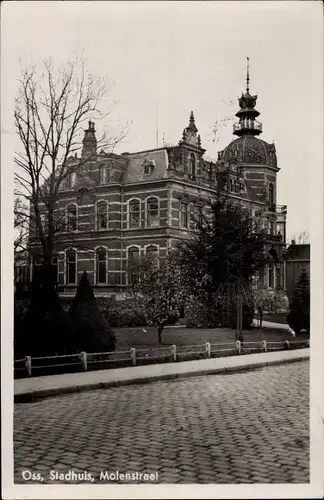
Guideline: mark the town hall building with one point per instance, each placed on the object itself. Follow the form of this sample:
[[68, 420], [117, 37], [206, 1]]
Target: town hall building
[[119, 207]]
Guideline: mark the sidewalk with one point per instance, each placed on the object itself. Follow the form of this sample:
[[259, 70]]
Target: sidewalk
[[29, 389]]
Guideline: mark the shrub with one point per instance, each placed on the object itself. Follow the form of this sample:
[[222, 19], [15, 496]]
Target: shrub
[[125, 314], [43, 328], [93, 333]]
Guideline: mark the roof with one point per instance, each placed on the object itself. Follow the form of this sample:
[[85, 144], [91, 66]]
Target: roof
[[251, 150], [157, 158]]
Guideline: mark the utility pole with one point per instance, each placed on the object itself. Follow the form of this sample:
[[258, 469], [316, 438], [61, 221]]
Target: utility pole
[[239, 307]]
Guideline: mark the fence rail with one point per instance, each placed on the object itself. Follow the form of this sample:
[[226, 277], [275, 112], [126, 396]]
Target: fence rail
[[133, 356]]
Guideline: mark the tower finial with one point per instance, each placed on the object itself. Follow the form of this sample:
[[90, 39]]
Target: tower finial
[[247, 74]]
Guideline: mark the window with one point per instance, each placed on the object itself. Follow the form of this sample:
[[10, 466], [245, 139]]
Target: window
[[271, 195], [68, 181], [44, 223], [192, 166], [103, 174], [270, 270], [102, 215], [148, 167], [231, 185], [71, 272], [71, 219], [152, 212], [101, 265], [152, 252], [184, 215], [134, 213], [133, 262]]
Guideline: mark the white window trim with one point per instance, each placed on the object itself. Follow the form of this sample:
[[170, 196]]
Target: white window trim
[[146, 210], [99, 247], [76, 266], [188, 215], [96, 214], [67, 216], [128, 212], [127, 258]]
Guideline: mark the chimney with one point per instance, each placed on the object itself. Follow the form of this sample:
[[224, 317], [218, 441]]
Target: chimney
[[89, 149]]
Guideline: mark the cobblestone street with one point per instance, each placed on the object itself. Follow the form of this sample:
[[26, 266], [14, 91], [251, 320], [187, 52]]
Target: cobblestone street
[[249, 427]]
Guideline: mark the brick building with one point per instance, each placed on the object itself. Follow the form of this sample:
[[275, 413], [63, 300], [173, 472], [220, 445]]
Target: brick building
[[297, 259], [119, 207]]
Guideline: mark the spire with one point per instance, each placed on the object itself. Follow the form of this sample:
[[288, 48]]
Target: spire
[[247, 114], [247, 75], [189, 135], [192, 125]]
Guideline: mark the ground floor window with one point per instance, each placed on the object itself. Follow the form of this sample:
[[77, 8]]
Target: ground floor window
[[71, 271], [101, 266]]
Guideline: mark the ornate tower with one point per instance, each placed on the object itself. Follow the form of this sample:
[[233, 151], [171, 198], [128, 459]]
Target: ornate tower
[[89, 149], [247, 124]]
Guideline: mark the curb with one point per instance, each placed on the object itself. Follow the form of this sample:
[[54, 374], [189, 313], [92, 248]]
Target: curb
[[32, 396]]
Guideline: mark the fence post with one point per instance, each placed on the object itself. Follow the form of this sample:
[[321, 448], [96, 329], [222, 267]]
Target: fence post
[[133, 355], [28, 365], [83, 357], [238, 346], [174, 352], [264, 345], [208, 349], [287, 344]]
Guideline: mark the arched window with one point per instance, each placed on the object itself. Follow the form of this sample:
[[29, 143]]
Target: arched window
[[271, 195], [71, 218], [134, 213], [192, 166], [103, 174], [133, 257], [152, 216], [71, 269], [152, 252], [101, 265], [102, 215]]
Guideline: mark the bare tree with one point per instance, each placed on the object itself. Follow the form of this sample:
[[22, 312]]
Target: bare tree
[[51, 109]]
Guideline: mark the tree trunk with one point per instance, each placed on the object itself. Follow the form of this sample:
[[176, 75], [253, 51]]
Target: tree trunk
[[160, 329], [260, 318]]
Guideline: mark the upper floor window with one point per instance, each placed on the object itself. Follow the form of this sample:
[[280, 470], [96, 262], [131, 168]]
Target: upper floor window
[[103, 174], [231, 185], [148, 167], [71, 268], [192, 166], [101, 265], [68, 181], [134, 214], [271, 195], [184, 215], [152, 212], [102, 215], [71, 218]]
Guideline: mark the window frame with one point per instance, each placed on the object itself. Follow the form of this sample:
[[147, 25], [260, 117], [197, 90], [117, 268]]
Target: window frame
[[148, 211], [99, 203], [68, 218], [184, 215], [103, 250], [67, 270], [131, 203]]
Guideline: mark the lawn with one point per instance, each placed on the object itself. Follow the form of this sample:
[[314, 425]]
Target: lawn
[[142, 338]]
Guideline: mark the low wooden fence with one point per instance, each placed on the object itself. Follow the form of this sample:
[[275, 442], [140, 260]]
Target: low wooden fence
[[35, 366]]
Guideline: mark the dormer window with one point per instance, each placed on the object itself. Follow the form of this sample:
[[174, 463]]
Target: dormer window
[[104, 174], [148, 167]]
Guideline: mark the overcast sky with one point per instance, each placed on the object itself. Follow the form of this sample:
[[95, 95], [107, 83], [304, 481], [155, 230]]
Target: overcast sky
[[183, 56]]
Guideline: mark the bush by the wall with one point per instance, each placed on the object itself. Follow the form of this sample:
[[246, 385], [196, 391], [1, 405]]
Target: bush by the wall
[[124, 314], [93, 333], [43, 328]]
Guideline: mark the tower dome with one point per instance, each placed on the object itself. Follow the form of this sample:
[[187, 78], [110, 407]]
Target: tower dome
[[248, 149]]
